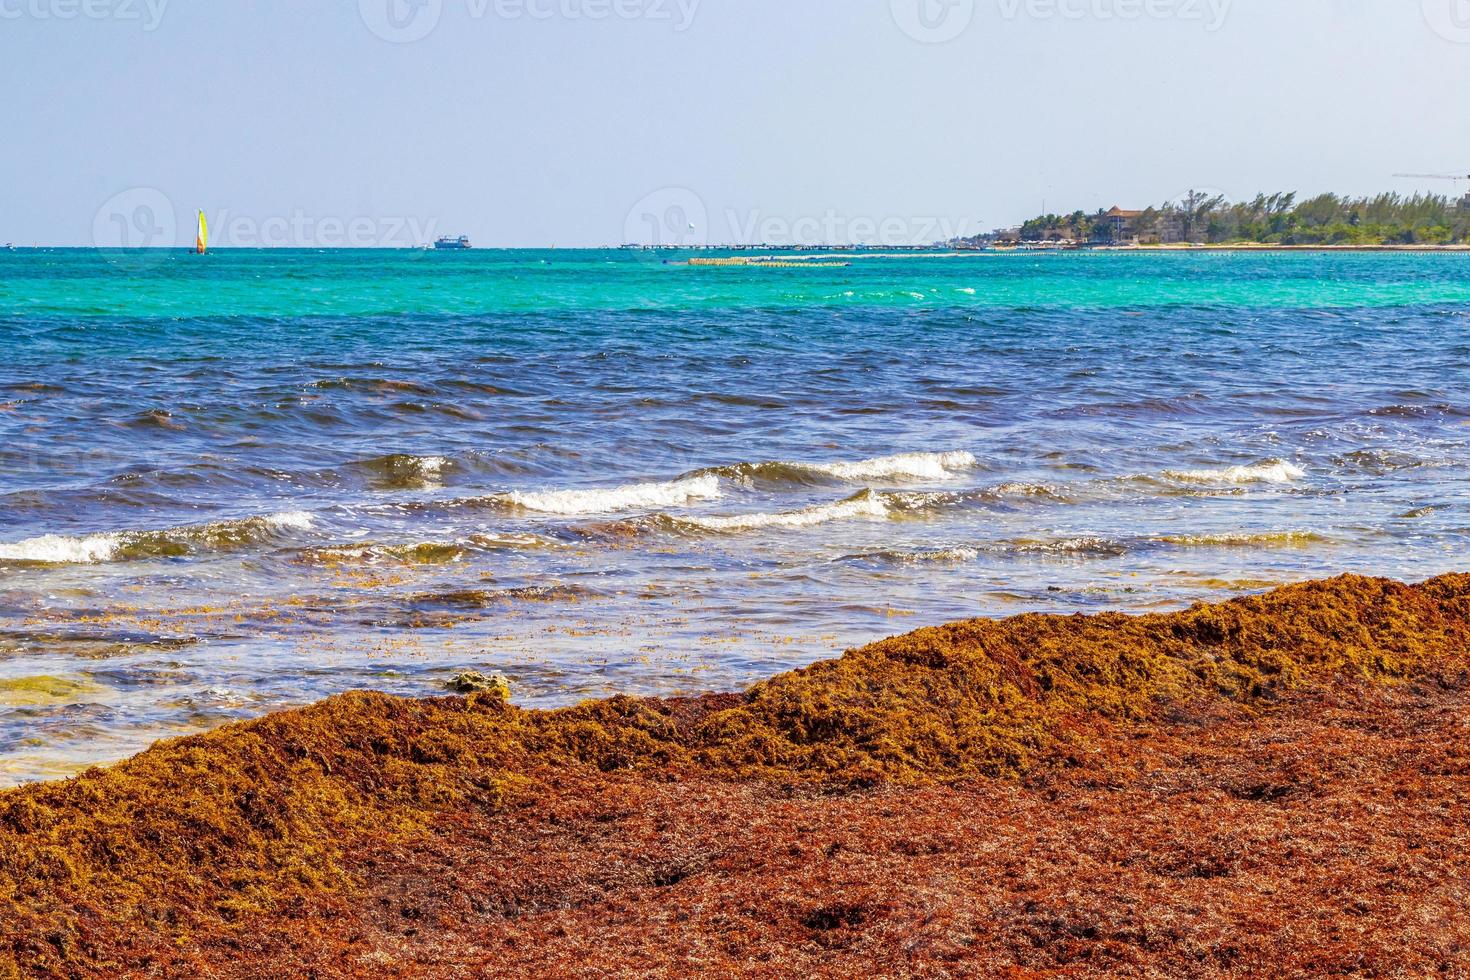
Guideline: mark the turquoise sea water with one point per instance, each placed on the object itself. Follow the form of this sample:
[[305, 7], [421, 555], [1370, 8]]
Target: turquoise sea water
[[248, 480]]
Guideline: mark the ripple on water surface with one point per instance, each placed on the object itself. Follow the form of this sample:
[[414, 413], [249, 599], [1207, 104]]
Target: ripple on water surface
[[596, 474]]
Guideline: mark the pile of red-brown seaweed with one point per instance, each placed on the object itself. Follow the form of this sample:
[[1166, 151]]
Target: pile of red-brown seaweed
[[1276, 785]]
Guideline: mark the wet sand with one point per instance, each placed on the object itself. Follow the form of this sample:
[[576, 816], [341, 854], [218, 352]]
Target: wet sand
[[1278, 784]]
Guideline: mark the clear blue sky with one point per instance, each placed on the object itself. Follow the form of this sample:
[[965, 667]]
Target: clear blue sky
[[540, 122]]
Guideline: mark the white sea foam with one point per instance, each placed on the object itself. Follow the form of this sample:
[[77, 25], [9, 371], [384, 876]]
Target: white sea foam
[[1272, 471], [634, 496], [217, 697], [1029, 490], [59, 549], [907, 466], [87, 549], [865, 504], [1085, 546], [298, 520], [899, 467], [426, 470]]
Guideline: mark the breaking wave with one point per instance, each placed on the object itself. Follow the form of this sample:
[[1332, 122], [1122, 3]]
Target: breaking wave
[[941, 556], [899, 467], [59, 549], [423, 552], [866, 503], [634, 496], [703, 486], [1271, 471]]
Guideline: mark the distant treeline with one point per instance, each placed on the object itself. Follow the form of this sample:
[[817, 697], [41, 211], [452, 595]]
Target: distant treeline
[[1277, 219]]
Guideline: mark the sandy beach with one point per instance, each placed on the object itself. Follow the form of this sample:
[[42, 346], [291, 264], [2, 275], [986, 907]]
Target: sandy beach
[[1273, 784]]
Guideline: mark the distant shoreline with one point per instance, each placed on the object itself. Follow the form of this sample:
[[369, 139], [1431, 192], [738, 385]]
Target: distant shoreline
[[1254, 247], [779, 258], [795, 252]]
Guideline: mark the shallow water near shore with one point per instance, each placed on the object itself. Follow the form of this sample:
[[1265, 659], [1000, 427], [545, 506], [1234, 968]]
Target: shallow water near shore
[[249, 480]]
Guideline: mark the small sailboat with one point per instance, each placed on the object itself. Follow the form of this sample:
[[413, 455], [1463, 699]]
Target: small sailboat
[[201, 239]]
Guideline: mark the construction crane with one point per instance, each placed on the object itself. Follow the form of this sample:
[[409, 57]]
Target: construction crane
[[1463, 203], [1455, 177]]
